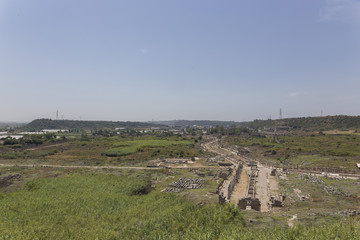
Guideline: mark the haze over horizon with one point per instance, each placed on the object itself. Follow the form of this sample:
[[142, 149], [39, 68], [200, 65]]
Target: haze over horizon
[[165, 60]]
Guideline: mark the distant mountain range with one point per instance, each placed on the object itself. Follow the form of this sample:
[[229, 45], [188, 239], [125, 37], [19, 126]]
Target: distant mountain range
[[303, 123], [310, 123], [203, 123], [40, 124]]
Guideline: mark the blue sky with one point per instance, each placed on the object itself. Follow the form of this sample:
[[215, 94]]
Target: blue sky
[[190, 59]]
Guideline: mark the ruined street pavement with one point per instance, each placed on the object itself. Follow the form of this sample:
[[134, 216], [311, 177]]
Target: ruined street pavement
[[266, 185]]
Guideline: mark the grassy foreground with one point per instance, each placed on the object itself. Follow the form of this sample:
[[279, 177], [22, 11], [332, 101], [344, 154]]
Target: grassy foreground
[[104, 206]]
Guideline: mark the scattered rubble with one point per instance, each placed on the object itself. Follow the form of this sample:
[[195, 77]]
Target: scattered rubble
[[8, 180], [182, 183], [215, 159], [292, 220], [350, 213], [224, 174], [172, 189], [189, 183], [311, 179], [328, 189], [12, 177], [153, 163], [277, 201], [301, 196]]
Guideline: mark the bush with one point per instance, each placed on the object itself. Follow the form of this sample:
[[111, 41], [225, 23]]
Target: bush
[[11, 141], [31, 186], [138, 188]]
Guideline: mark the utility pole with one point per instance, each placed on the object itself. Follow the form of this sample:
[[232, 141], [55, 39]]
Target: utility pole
[[280, 114]]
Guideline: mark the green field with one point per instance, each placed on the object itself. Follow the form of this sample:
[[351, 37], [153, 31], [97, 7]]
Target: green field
[[99, 150], [334, 145], [311, 150], [118, 206], [122, 148]]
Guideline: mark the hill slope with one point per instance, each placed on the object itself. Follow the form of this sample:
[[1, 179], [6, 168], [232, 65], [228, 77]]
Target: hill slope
[[203, 123], [311, 123], [40, 124]]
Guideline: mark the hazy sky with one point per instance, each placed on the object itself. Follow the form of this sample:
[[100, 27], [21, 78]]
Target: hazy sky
[[189, 59]]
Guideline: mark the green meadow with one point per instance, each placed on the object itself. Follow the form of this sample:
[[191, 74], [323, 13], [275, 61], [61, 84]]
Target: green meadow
[[113, 206], [326, 150], [123, 148], [99, 150]]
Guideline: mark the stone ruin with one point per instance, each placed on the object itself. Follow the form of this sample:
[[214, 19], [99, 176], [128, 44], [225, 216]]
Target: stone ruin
[[215, 159], [226, 188], [216, 173], [190, 183], [224, 174], [234, 180], [184, 183], [277, 201], [250, 201]]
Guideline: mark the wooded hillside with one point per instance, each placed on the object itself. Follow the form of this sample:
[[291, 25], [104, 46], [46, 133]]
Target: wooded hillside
[[40, 124], [311, 123]]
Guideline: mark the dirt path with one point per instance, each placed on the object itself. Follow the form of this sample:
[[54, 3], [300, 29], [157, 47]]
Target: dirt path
[[240, 190], [266, 186], [263, 188], [105, 167], [274, 185], [46, 146]]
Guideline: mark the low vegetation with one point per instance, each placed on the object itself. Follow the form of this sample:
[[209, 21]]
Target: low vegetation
[[99, 150], [107, 206], [313, 149], [101, 203], [122, 148]]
